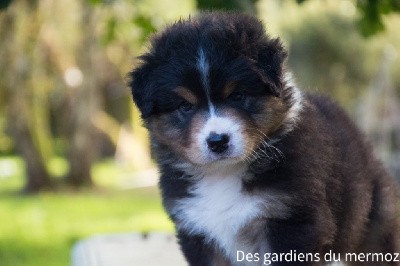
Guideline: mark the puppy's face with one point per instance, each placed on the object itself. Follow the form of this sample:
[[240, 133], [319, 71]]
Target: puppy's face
[[211, 88]]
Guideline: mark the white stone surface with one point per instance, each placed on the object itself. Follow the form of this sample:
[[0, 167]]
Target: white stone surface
[[128, 250]]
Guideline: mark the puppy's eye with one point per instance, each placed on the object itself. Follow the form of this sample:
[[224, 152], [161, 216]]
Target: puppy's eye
[[237, 96], [185, 107]]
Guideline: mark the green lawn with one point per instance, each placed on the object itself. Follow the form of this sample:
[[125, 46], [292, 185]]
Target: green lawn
[[39, 230]]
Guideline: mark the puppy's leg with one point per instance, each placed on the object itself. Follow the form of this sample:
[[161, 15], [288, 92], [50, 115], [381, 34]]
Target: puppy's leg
[[285, 236], [382, 234], [198, 252]]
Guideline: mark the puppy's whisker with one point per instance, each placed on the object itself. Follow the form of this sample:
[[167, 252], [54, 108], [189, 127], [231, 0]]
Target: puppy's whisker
[[273, 150], [264, 136], [270, 145]]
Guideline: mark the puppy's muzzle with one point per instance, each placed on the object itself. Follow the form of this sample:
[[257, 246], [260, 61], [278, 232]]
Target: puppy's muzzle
[[218, 143]]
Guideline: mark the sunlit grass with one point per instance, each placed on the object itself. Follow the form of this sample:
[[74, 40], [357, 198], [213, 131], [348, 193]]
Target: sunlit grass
[[41, 229]]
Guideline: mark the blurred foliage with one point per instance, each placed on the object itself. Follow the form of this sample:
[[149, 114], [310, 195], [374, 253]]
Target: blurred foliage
[[344, 64], [146, 25], [370, 21], [96, 2], [5, 3], [326, 50], [240, 5]]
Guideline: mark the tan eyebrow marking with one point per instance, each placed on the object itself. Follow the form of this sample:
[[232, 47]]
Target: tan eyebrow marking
[[186, 94], [228, 89]]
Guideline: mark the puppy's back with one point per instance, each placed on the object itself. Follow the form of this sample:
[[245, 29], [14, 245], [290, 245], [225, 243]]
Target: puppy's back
[[366, 213]]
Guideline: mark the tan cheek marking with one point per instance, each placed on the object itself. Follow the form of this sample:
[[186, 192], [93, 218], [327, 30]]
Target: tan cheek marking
[[228, 89], [273, 115], [186, 94], [166, 134], [193, 151], [172, 137], [158, 128]]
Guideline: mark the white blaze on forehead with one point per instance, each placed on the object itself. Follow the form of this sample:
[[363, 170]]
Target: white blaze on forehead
[[204, 69], [216, 123]]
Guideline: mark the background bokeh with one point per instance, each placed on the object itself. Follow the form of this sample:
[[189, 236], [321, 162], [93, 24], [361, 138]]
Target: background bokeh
[[74, 159]]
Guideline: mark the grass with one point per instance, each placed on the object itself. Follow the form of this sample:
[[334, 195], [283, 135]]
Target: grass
[[41, 229]]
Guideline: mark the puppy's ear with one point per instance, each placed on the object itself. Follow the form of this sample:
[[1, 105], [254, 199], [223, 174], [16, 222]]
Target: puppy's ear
[[141, 91], [271, 58]]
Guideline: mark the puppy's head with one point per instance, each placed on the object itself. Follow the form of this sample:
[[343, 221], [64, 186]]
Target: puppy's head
[[212, 88]]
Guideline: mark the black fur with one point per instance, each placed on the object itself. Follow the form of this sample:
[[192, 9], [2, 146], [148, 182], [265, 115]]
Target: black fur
[[239, 47], [341, 198]]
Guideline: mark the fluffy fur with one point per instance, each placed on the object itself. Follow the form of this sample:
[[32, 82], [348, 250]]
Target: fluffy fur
[[249, 162]]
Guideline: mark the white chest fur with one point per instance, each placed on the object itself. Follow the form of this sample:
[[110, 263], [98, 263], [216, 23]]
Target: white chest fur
[[218, 209]]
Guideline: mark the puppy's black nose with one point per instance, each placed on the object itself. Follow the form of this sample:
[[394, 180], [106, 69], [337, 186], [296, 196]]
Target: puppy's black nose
[[217, 143]]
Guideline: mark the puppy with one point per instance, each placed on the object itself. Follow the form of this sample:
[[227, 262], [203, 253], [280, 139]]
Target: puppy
[[248, 162]]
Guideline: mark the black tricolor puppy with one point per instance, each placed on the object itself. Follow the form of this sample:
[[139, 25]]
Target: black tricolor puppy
[[248, 162]]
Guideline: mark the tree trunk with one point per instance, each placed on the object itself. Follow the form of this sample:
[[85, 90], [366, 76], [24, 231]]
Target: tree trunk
[[37, 176], [23, 110], [84, 104]]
